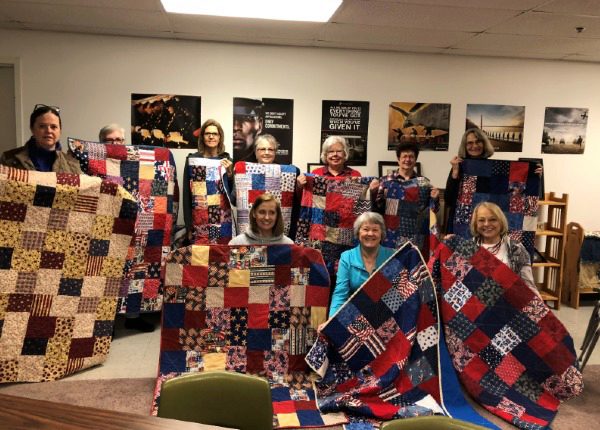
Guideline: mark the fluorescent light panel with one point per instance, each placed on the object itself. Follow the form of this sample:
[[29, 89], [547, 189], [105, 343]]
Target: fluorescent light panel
[[284, 10]]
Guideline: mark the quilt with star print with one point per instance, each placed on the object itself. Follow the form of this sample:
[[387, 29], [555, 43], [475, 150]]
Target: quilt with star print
[[512, 185], [378, 355], [63, 246], [253, 179], [405, 205], [149, 174], [328, 210], [249, 309], [212, 221], [511, 353]]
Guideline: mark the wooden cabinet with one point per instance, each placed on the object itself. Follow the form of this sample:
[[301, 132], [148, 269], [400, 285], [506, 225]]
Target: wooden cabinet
[[550, 242]]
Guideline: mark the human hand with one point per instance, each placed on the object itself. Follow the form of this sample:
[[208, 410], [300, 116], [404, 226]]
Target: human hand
[[374, 184], [301, 180], [228, 166], [539, 170], [435, 193], [455, 162]]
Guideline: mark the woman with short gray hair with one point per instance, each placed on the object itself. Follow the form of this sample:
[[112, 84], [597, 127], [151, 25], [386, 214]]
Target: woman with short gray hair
[[357, 264]]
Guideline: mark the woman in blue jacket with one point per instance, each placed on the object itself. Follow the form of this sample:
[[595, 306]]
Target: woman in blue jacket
[[358, 263]]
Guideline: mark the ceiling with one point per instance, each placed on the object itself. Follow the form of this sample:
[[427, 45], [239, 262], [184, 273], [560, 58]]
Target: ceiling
[[543, 29]]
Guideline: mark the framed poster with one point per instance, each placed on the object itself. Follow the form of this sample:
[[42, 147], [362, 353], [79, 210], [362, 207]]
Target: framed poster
[[349, 119], [425, 124], [503, 125]]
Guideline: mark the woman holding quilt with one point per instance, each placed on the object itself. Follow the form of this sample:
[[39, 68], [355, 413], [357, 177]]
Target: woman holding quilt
[[357, 264], [489, 229], [211, 144]]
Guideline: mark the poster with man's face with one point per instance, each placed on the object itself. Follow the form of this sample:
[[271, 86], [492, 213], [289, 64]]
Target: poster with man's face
[[253, 117]]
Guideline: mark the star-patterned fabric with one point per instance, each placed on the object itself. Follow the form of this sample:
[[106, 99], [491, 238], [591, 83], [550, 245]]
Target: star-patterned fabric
[[149, 174], [63, 246]]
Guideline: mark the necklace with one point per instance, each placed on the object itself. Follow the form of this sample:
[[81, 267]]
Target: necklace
[[494, 249]]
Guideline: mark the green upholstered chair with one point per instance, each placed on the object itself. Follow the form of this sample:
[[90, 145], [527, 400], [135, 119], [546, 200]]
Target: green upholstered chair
[[435, 422], [227, 399]]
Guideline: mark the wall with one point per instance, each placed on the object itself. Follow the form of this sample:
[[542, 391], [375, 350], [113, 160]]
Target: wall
[[91, 79]]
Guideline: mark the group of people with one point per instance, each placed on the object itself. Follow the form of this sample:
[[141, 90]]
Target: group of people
[[489, 226]]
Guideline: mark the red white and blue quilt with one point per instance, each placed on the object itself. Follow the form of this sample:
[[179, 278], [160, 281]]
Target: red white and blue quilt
[[212, 221], [511, 353], [512, 185], [328, 210], [378, 355], [149, 174], [249, 309], [253, 179], [406, 206]]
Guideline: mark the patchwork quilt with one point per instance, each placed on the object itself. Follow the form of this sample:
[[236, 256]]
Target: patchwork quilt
[[511, 353], [406, 212], [328, 210], [149, 174], [378, 355], [253, 179], [249, 309], [512, 185], [63, 246], [212, 221]]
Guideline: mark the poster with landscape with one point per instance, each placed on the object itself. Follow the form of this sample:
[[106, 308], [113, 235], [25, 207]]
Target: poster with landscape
[[564, 130], [503, 125]]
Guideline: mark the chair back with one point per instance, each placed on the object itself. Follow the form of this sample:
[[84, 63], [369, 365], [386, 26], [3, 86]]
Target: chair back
[[226, 399], [430, 423]]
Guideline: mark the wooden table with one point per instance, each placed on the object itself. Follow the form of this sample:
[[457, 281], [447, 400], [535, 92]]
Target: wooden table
[[24, 413]]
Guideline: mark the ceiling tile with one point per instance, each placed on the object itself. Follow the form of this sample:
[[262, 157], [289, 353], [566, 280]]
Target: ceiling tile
[[534, 44], [419, 16], [482, 4], [366, 34], [572, 7], [549, 24]]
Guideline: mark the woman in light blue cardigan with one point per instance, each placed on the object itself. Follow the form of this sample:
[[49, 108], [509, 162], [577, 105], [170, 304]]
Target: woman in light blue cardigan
[[358, 263]]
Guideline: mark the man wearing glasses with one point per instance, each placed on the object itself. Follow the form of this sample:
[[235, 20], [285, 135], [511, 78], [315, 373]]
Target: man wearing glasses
[[247, 125], [112, 133], [42, 152]]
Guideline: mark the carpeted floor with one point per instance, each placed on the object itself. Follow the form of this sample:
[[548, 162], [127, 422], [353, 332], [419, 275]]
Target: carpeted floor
[[135, 396]]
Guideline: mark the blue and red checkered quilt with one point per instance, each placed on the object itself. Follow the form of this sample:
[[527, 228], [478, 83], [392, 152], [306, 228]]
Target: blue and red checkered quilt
[[511, 353], [329, 208], [249, 309], [512, 185], [149, 174]]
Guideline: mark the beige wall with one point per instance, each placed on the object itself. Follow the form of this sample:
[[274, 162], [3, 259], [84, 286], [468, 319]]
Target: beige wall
[[91, 79]]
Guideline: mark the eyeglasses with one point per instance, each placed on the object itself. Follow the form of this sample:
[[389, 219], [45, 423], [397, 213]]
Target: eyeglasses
[[340, 152], [265, 149], [54, 109], [114, 140], [210, 133]]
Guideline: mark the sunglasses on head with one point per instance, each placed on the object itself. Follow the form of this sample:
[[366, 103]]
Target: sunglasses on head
[[54, 109]]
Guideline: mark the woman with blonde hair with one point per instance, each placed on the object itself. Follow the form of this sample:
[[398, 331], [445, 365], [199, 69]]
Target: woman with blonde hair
[[489, 229]]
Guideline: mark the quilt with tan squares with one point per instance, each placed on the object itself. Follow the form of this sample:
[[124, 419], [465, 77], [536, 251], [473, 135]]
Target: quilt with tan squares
[[63, 246]]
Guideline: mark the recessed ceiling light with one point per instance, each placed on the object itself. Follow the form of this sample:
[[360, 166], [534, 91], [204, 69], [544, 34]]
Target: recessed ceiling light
[[285, 10]]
